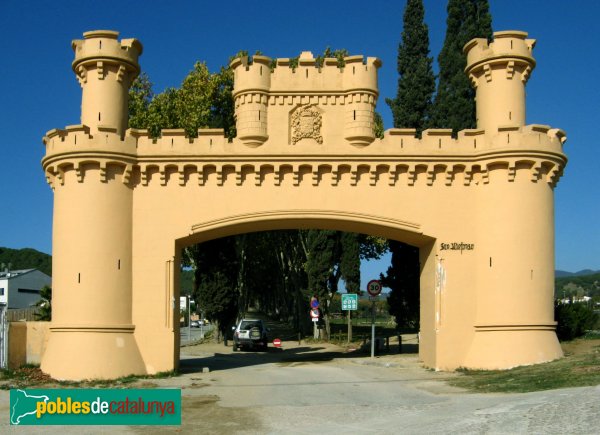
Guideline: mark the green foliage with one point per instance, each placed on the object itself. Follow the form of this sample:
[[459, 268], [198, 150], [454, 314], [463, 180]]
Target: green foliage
[[203, 100], [216, 286], [322, 251], [350, 261], [454, 104], [140, 97], [416, 84], [45, 304], [584, 285], [378, 128], [574, 320], [26, 258], [402, 278]]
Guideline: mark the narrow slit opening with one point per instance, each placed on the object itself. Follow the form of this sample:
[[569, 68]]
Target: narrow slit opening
[[79, 278]]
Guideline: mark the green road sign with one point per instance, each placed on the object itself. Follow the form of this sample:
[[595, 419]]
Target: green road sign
[[349, 302]]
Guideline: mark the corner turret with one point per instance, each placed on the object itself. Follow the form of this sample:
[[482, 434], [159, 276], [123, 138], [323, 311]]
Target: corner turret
[[360, 85], [105, 68], [252, 81], [499, 71]]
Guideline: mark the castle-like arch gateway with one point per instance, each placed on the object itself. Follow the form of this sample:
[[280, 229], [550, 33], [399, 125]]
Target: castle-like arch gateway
[[479, 207]]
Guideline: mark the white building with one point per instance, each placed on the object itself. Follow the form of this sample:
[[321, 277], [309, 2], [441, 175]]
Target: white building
[[21, 288]]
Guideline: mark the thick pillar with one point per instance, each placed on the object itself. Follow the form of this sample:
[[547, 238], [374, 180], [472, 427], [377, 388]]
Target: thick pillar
[[514, 322], [91, 335]]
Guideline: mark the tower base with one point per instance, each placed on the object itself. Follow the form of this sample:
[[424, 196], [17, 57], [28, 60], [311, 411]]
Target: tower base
[[92, 352], [504, 347]]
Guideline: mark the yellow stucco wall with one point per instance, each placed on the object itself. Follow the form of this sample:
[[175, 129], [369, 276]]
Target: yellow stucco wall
[[479, 207]]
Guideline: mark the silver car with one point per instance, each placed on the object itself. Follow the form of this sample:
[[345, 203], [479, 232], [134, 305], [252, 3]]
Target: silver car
[[250, 333]]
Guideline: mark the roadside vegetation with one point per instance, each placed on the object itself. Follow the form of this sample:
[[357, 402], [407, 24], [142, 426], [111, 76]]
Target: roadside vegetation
[[579, 368], [30, 376]]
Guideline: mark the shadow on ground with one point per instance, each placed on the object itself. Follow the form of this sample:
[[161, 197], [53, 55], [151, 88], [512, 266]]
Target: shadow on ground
[[301, 354]]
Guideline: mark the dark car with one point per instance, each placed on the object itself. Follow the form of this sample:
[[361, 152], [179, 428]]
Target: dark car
[[250, 333]]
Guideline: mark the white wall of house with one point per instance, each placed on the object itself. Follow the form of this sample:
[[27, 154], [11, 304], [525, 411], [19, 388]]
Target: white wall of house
[[21, 289]]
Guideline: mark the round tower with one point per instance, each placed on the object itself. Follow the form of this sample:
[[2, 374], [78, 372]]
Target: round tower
[[499, 71], [252, 82], [92, 223], [105, 67], [360, 86]]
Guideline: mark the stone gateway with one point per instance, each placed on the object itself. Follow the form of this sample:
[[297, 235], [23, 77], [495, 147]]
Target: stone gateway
[[480, 207]]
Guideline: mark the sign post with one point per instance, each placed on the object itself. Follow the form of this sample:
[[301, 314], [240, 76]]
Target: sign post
[[349, 303], [374, 289]]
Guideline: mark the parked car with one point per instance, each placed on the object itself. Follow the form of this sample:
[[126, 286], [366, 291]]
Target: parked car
[[251, 333], [195, 323]]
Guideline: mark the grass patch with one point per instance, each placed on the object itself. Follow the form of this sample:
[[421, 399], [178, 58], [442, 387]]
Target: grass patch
[[30, 376], [580, 367]]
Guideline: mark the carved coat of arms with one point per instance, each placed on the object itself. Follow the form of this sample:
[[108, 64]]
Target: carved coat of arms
[[306, 123]]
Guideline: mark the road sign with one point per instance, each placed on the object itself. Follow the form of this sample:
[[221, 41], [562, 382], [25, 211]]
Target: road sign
[[277, 342], [315, 319], [314, 302], [314, 313], [374, 287], [349, 302]]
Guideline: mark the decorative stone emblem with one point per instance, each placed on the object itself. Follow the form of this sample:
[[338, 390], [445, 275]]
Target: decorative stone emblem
[[306, 123]]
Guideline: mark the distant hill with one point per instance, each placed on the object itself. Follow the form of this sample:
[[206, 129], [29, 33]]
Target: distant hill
[[577, 285], [26, 258], [562, 273]]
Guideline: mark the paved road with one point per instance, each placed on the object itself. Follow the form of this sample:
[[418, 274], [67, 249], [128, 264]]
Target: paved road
[[314, 389], [308, 390]]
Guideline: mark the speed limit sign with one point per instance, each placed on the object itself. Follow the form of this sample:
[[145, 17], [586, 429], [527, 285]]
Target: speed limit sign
[[374, 287]]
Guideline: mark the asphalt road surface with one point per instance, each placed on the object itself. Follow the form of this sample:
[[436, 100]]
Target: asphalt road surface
[[315, 389]]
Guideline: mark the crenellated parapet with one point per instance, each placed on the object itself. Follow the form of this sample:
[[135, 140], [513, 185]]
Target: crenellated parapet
[[399, 159], [265, 87], [301, 120]]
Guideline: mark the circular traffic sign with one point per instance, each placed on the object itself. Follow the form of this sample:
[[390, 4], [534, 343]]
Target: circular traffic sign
[[314, 303], [314, 313], [277, 342], [374, 287]]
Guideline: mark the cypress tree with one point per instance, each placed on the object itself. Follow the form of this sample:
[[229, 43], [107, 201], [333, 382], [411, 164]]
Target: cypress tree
[[403, 278], [416, 84], [454, 104], [411, 109]]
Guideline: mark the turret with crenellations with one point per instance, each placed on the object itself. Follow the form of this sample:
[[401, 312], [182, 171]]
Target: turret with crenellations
[[105, 67]]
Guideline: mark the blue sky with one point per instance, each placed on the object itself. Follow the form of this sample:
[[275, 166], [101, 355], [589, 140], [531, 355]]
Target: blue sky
[[41, 93]]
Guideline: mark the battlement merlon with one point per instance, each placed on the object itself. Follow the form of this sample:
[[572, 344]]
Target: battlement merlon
[[499, 70], [103, 45], [276, 75]]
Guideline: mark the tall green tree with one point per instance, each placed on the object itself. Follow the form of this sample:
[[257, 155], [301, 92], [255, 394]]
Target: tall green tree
[[350, 268], [323, 248], [403, 278], [216, 285], [416, 85], [454, 104]]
